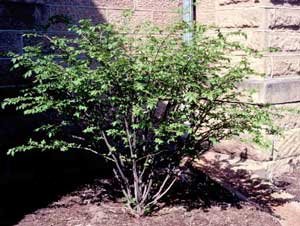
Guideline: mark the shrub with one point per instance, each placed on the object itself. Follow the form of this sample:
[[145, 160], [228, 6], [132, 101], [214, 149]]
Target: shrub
[[142, 102]]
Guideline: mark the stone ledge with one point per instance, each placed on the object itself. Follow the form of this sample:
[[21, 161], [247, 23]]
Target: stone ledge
[[275, 90]]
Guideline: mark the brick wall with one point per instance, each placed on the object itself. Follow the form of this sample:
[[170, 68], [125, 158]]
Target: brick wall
[[21, 16]]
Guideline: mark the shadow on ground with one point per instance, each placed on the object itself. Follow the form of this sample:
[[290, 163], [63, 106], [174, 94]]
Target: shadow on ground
[[245, 186], [55, 175], [33, 180], [37, 179], [198, 190]]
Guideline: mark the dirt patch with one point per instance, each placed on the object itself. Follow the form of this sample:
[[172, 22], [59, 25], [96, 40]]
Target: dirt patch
[[78, 210], [292, 183], [111, 214], [197, 200]]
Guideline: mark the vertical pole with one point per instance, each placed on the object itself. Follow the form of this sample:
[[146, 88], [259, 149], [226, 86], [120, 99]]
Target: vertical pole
[[188, 15]]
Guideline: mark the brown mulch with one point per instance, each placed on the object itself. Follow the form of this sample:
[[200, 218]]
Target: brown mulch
[[199, 201], [84, 208], [109, 214]]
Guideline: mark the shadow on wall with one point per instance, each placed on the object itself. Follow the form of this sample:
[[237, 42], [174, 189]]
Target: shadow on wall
[[282, 2], [30, 181]]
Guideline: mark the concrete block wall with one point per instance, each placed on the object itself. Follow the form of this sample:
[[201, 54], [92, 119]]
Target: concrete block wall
[[269, 24]]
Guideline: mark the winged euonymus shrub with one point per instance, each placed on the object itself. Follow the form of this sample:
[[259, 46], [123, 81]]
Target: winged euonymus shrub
[[141, 101]]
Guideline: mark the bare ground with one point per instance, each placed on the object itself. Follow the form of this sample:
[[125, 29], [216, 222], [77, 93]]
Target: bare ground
[[198, 202], [78, 209]]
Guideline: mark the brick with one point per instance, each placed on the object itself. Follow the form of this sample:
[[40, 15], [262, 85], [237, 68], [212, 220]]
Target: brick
[[164, 19], [240, 18], [8, 77], [284, 18], [70, 2], [28, 1], [138, 18], [5, 65], [97, 15], [32, 41], [10, 41], [114, 4], [19, 16], [158, 5]]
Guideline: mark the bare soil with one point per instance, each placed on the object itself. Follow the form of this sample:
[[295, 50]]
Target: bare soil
[[291, 182], [204, 204], [108, 214], [197, 201]]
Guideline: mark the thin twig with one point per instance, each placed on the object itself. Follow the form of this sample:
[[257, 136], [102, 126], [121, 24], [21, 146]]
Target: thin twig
[[97, 153], [150, 155]]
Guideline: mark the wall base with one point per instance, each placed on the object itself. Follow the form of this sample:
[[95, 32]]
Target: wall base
[[275, 90]]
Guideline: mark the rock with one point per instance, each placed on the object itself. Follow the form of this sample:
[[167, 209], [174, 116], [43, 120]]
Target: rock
[[238, 149]]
